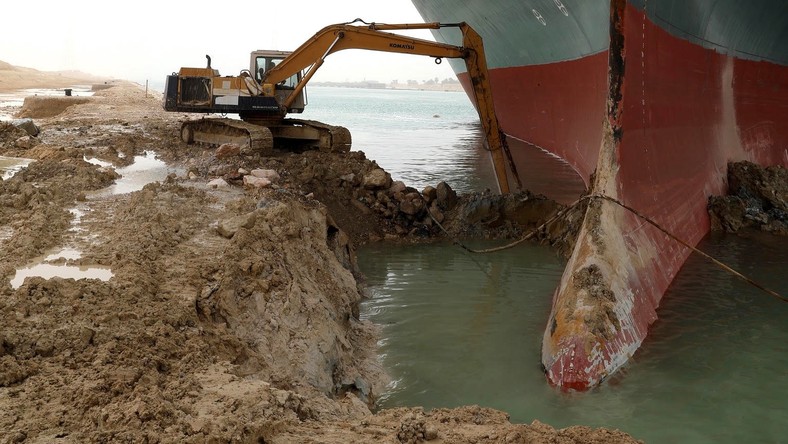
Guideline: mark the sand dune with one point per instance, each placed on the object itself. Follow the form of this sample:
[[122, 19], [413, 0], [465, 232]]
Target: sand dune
[[16, 77]]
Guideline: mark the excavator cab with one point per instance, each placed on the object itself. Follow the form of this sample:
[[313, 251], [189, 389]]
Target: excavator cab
[[263, 61]]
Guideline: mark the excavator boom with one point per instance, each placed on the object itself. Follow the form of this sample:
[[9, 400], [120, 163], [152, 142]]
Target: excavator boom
[[335, 38], [311, 54], [309, 57]]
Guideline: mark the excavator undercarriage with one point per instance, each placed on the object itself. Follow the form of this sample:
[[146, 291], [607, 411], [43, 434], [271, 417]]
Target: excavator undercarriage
[[263, 137], [253, 138]]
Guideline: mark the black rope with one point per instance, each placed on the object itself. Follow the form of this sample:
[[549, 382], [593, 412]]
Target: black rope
[[636, 213]]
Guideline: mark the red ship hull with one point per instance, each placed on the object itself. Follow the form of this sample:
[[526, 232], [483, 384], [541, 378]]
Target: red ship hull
[[676, 114], [567, 125], [657, 118]]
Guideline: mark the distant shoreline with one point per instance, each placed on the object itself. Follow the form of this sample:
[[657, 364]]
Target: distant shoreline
[[13, 78], [445, 87]]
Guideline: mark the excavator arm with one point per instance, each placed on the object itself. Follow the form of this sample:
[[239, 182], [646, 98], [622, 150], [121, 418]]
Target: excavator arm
[[331, 39]]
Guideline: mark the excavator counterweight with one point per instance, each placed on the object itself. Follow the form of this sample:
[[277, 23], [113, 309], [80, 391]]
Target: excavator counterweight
[[274, 87]]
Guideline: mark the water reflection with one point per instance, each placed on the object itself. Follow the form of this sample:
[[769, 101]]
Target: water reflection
[[145, 169], [545, 173], [442, 311], [48, 271], [9, 166], [51, 265]]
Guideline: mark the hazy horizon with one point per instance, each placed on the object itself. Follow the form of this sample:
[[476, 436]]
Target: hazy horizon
[[148, 40]]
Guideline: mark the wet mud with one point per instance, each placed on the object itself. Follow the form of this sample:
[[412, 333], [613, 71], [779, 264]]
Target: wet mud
[[232, 313]]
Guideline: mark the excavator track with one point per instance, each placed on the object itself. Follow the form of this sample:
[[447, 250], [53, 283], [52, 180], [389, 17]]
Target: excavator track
[[261, 136], [253, 138], [333, 139], [297, 134]]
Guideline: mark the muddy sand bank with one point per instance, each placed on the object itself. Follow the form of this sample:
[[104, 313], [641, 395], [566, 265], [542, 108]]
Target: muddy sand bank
[[232, 311]]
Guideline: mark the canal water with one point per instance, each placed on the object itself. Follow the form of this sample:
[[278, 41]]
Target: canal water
[[424, 137], [466, 329], [11, 102], [462, 329]]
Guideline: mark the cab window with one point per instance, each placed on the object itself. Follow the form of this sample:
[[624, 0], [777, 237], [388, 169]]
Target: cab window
[[263, 64]]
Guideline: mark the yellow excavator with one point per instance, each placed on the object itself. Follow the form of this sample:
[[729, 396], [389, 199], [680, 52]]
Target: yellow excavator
[[274, 86]]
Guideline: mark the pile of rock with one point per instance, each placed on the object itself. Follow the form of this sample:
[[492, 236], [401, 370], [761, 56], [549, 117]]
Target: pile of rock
[[256, 178], [411, 211], [440, 211], [757, 199], [365, 202]]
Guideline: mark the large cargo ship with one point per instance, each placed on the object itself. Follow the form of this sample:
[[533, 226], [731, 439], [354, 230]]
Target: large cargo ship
[[648, 100]]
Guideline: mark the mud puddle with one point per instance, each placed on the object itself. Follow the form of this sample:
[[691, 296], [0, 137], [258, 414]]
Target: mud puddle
[[12, 165], [75, 224], [145, 169], [52, 265]]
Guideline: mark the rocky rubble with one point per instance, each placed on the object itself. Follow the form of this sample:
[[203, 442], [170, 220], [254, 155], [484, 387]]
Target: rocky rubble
[[11, 134], [757, 199], [370, 206]]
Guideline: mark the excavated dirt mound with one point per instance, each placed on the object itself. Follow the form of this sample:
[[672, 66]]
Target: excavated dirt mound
[[9, 133], [188, 313], [368, 205], [232, 313], [36, 107]]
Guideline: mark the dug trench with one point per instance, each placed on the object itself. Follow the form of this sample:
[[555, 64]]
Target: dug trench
[[233, 310]]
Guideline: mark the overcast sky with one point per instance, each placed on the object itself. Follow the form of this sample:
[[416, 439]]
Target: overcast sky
[[146, 40]]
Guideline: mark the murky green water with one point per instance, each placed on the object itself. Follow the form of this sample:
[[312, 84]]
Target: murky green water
[[461, 329]]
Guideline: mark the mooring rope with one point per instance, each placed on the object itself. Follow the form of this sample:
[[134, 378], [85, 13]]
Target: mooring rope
[[633, 211]]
